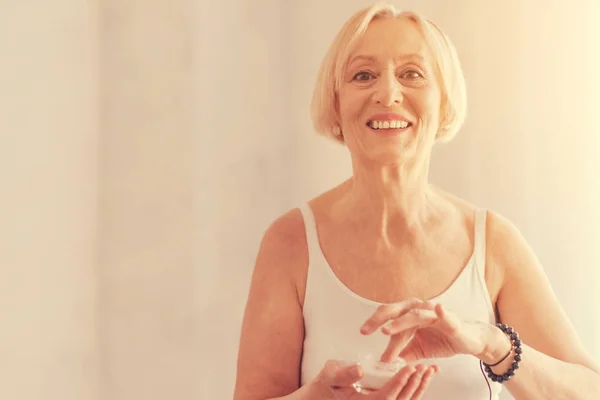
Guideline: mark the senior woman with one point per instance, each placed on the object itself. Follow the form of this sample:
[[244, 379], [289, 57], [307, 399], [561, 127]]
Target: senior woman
[[386, 264]]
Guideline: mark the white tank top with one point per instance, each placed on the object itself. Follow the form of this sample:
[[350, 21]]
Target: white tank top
[[333, 315]]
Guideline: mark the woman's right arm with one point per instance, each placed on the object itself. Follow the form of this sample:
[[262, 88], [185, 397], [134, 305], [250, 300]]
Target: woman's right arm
[[272, 335]]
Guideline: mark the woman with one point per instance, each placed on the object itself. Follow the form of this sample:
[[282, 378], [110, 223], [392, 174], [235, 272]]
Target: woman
[[386, 264]]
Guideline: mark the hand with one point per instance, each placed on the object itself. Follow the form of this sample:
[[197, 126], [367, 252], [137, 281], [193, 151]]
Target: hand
[[335, 382], [423, 329]]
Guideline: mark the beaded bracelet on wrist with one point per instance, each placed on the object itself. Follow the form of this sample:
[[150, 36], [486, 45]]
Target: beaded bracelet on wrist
[[516, 349]]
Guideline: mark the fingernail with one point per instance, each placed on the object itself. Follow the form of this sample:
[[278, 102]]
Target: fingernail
[[355, 372]]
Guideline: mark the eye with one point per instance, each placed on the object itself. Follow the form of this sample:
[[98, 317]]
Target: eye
[[363, 76], [411, 74]]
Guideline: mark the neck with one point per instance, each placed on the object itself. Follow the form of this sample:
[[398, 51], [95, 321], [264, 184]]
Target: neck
[[390, 202]]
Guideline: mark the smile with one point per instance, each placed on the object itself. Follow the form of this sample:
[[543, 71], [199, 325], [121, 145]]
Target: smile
[[394, 124]]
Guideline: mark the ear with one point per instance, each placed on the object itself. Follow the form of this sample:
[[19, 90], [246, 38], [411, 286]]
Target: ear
[[337, 130], [444, 117], [441, 131]]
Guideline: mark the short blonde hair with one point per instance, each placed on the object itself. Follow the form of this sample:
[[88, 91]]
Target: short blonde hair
[[452, 82]]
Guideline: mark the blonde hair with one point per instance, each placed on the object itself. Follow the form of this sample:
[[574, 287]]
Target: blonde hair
[[324, 101]]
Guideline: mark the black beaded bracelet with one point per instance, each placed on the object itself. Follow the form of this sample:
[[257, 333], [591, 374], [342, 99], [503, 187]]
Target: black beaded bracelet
[[516, 348]]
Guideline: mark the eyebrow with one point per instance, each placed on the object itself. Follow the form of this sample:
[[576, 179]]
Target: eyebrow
[[373, 59]]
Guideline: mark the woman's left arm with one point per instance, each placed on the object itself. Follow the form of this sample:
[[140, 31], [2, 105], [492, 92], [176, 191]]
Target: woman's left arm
[[554, 363]]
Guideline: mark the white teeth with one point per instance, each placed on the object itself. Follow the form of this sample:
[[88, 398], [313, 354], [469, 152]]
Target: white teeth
[[388, 124]]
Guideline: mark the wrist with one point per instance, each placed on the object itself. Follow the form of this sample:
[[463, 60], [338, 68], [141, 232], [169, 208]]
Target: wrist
[[497, 346], [504, 366], [506, 370]]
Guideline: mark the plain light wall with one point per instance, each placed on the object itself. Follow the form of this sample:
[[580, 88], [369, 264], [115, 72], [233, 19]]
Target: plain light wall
[[244, 162], [148, 203], [192, 170], [48, 203]]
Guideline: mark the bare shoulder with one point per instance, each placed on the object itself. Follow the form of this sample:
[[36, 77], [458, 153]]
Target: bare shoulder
[[284, 243], [527, 300], [285, 236], [505, 245], [283, 247], [509, 249]]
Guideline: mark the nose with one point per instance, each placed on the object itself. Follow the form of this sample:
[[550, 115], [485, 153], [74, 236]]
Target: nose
[[388, 90]]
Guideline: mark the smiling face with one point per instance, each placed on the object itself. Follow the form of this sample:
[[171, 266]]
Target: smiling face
[[389, 97]]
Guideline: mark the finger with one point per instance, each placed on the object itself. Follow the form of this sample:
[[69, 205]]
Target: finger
[[334, 374], [425, 315], [346, 376], [396, 345], [413, 383], [394, 386], [411, 354], [427, 377], [414, 318], [449, 322], [386, 312]]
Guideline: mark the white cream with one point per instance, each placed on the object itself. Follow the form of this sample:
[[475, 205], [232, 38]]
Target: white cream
[[376, 374]]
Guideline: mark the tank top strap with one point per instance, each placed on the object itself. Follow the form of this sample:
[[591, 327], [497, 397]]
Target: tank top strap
[[310, 226], [480, 240]]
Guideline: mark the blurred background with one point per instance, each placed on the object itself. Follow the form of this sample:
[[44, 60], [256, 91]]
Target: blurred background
[[146, 145]]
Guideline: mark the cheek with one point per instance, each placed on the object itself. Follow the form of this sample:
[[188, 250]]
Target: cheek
[[429, 107], [351, 104]]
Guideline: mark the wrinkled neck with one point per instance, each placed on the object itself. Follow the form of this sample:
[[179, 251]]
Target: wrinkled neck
[[390, 202]]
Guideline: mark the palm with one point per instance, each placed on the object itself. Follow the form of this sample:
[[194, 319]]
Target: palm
[[407, 384]]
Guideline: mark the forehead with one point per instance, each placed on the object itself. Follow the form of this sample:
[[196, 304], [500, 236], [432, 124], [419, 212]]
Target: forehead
[[391, 38]]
